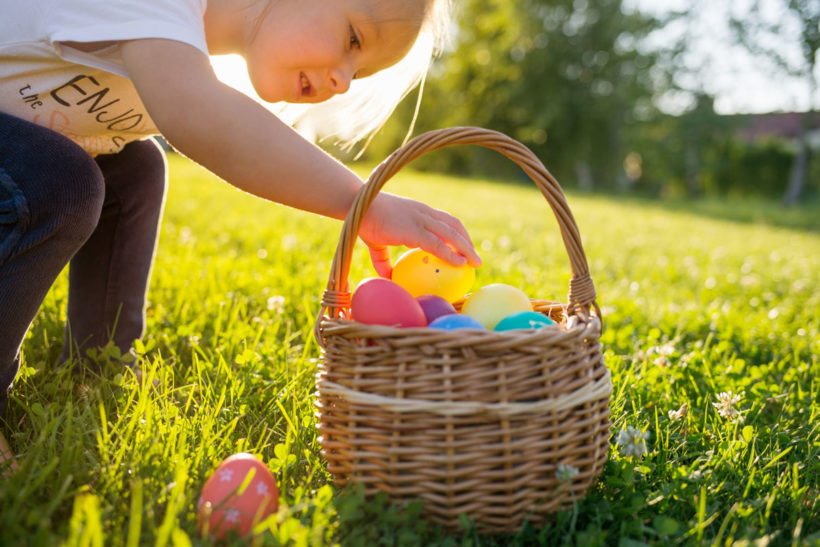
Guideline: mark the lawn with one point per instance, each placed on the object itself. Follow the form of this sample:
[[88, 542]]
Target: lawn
[[698, 301]]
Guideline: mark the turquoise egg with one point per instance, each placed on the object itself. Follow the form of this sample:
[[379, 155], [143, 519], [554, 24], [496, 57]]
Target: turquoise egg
[[455, 321], [524, 320]]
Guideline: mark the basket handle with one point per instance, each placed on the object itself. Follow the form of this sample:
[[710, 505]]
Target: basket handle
[[581, 298]]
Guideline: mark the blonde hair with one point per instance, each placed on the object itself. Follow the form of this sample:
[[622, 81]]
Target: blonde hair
[[353, 116]]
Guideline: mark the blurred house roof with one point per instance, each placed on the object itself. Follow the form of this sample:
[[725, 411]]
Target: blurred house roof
[[778, 124]]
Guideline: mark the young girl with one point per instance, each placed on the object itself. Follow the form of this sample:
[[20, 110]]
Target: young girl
[[82, 82]]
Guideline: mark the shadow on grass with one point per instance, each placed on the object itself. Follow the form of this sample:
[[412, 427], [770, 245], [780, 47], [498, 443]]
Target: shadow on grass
[[757, 211], [375, 521]]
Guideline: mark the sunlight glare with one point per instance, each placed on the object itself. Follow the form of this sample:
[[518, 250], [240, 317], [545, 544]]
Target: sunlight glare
[[232, 70]]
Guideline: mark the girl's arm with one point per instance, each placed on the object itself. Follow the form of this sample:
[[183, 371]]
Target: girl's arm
[[242, 142]]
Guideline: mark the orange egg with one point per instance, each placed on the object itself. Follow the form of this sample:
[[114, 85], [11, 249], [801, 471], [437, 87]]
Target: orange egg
[[420, 273], [240, 494]]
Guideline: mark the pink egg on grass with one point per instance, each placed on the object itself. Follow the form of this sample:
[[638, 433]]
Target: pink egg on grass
[[241, 493], [434, 306], [380, 301]]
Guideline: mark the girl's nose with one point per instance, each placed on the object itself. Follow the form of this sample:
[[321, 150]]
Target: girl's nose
[[340, 79]]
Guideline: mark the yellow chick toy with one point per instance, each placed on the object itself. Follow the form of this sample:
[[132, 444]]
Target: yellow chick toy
[[421, 273]]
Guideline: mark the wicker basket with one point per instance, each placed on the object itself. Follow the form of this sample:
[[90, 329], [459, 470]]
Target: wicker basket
[[472, 422]]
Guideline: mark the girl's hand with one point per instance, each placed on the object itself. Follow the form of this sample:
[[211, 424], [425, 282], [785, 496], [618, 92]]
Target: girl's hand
[[394, 220]]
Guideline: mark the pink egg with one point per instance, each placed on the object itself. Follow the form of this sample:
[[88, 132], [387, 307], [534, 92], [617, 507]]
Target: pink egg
[[241, 493], [379, 301], [434, 306]]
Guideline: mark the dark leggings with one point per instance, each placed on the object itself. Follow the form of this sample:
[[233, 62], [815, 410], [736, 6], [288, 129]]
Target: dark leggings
[[58, 204]]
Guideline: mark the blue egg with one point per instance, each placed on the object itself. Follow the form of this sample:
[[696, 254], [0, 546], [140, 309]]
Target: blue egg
[[455, 321], [524, 320]]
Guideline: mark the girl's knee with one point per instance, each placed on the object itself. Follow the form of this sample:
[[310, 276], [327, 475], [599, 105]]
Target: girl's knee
[[53, 173], [67, 192], [80, 201]]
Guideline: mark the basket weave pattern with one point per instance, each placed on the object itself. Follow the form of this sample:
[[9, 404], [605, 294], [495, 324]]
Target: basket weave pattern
[[472, 422]]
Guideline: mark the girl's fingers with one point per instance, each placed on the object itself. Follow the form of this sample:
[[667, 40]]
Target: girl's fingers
[[454, 223], [443, 251], [380, 257], [394, 220], [456, 243]]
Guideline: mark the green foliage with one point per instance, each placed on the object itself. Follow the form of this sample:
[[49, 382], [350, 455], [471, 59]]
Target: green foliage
[[700, 154], [744, 168], [697, 300], [564, 77]]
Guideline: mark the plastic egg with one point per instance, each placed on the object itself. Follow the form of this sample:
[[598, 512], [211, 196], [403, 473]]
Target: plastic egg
[[434, 306], [240, 494], [492, 303], [420, 272], [524, 320], [379, 301], [456, 321]]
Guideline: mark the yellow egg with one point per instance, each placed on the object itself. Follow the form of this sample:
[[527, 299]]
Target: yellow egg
[[420, 273], [492, 303]]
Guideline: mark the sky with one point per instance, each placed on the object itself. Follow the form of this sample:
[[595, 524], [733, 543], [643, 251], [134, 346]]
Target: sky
[[739, 82]]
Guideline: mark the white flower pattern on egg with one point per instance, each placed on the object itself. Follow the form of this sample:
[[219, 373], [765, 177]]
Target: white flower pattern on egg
[[232, 515]]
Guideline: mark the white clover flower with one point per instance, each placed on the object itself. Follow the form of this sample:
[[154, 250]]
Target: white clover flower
[[680, 413], [565, 473], [276, 303], [664, 350], [632, 441], [726, 404], [662, 361]]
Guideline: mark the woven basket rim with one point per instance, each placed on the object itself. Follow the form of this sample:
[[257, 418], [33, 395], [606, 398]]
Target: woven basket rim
[[549, 331]]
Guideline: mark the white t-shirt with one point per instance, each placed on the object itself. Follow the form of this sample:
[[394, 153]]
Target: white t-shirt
[[60, 64]]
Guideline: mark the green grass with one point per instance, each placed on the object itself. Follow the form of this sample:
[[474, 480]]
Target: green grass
[[694, 305]]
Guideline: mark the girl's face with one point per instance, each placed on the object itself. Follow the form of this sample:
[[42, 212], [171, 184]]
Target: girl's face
[[306, 51]]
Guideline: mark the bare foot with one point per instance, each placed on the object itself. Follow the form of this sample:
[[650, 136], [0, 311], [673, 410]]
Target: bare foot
[[8, 465]]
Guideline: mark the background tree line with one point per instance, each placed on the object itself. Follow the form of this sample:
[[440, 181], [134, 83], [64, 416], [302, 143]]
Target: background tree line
[[576, 81]]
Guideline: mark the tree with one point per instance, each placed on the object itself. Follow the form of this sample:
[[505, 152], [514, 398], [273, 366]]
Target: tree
[[756, 30], [565, 77]]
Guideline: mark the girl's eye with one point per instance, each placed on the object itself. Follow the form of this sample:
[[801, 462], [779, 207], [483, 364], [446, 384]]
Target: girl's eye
[[354, 40]]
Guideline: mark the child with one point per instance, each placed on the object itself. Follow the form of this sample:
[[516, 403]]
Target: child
[[81, 82]]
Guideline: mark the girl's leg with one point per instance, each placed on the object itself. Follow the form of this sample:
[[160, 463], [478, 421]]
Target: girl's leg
[[108, 277], [51, 194]]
